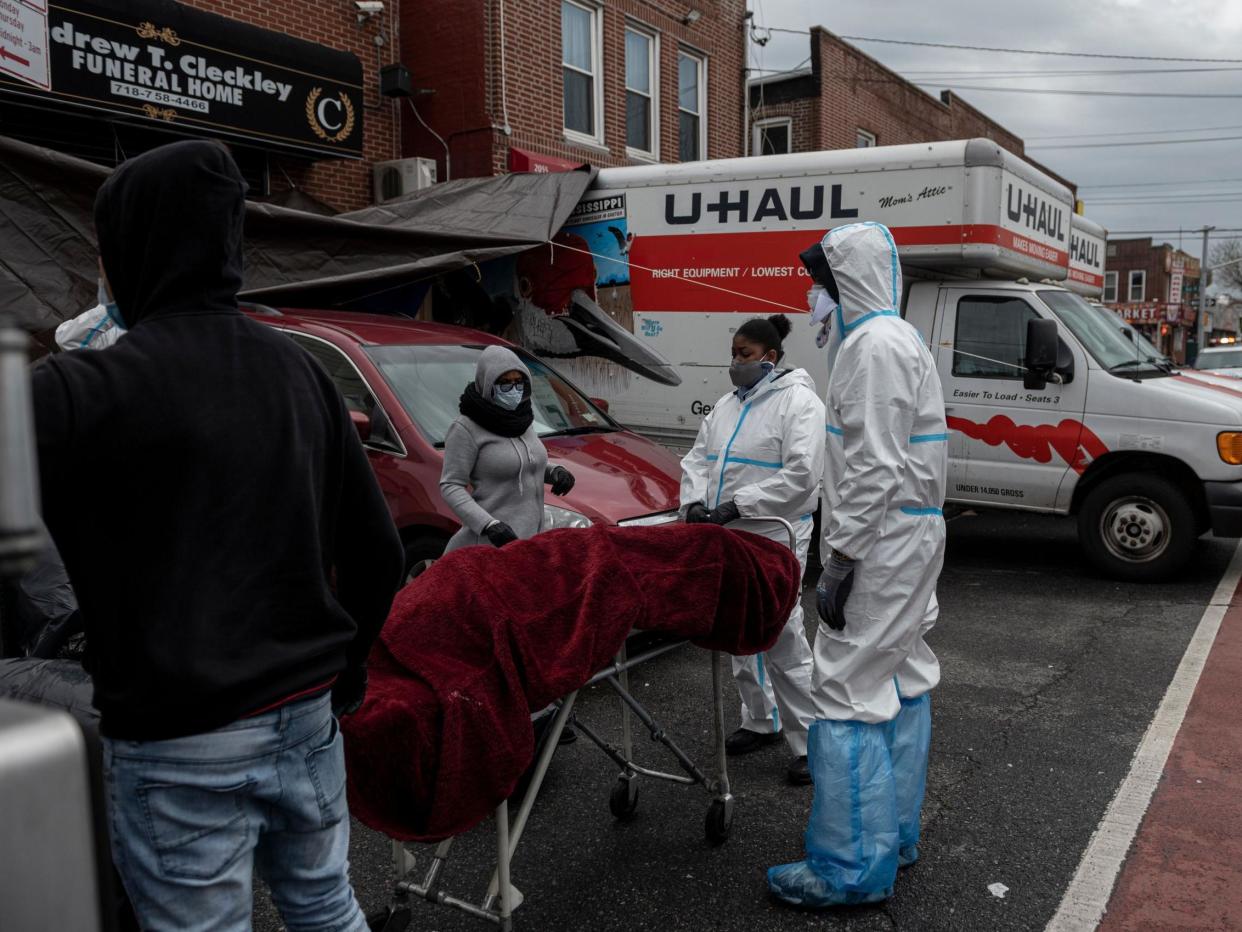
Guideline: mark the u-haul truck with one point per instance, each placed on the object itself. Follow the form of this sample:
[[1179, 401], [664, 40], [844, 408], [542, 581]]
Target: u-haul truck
[[1147, 459]]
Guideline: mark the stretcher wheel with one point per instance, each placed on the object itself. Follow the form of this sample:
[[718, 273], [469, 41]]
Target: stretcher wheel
[[719, 822], [623, 800]]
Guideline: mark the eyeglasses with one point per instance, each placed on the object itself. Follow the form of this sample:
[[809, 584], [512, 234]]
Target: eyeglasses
[[509, 383]]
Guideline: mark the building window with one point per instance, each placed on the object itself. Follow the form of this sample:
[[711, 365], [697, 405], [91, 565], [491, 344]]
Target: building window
[[641, 93], [773, 137], [1138, 285], [580, 55], [691, 98], [1112, 250], [1110, 287], [864, 139]]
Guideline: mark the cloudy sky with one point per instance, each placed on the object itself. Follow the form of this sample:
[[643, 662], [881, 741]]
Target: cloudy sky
[[1118, 182]]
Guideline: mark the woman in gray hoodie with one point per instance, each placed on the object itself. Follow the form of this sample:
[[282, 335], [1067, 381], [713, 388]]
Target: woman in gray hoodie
[[495, 465]]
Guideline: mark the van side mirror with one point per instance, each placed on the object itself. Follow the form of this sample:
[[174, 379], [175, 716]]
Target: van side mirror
[[600, 403], [1042, 345], [362, 424]]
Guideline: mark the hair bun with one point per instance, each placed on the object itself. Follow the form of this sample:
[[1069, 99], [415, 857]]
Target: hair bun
[[782, 324]]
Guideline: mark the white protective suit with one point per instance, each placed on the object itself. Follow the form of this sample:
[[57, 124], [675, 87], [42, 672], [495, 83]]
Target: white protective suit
[[94, 328], [766, 453], [884, 489]]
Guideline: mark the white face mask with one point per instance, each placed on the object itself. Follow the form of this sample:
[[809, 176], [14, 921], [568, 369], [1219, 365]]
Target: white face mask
[[508, 396], [812, 296], [822, 314]]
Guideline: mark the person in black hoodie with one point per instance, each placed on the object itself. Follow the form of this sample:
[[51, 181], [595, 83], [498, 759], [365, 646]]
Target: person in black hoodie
[[233, 558]]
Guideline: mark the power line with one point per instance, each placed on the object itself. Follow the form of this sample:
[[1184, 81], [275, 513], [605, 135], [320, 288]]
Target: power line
[[982, 48], [1187, 230], [1080, 73], [1149, 142], [1069, 92], [1135, 132], [1161, 184]]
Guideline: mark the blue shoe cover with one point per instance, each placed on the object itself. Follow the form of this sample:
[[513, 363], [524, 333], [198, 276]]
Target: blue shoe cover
[[907, 856], [909, 740], [851, 840], [798, 885]]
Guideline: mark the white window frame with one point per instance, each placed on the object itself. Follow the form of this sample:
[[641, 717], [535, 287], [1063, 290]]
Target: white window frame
[[653, 64], [860, 133], [756, 141], [701, 60], [596, 75], [1142, 285], [1110, 276]]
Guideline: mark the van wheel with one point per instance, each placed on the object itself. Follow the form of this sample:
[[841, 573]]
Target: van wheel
[[420, 553], [1137, 527]]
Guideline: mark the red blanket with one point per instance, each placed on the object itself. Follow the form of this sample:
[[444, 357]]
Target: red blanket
[[485, 636]]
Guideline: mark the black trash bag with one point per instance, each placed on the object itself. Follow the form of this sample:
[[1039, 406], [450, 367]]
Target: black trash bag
[[41, 613], [60, 684]]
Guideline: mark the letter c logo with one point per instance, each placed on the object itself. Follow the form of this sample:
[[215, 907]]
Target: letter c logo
[[321, 113]]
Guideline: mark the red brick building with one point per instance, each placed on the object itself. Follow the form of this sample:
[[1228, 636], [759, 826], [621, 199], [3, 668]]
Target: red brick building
[[547, 84], [1156, 288], [847, 99]]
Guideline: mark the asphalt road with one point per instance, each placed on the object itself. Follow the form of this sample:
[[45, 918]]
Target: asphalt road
[[1050, 677]]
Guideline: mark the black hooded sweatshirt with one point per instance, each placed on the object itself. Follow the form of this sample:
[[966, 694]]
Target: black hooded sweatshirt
[[201, 478]]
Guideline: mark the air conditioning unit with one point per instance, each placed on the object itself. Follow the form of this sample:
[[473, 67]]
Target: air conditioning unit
[[391, 180]]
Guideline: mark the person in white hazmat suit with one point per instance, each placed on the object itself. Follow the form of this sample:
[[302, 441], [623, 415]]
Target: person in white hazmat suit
[[95, 328], [883, 542], [760, 451]]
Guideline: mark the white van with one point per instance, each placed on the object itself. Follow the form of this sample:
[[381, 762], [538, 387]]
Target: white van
[[1051, 409]]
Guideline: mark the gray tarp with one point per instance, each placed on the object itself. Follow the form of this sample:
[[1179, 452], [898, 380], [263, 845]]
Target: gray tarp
[[48, 268]]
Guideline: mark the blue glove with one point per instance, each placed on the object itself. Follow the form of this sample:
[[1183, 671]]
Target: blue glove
[[833, 588]]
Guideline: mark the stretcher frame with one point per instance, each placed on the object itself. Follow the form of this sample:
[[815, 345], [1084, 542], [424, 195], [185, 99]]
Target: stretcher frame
[[502, 897]]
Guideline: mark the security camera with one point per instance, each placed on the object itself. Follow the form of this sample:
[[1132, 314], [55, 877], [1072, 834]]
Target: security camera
[[369, 7]]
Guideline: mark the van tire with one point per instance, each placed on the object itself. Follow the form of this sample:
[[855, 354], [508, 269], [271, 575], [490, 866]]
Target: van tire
[[1137, 527], [420, 553]]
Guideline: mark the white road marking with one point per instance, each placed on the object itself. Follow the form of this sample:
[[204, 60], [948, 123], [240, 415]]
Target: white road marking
[[1087, 896]]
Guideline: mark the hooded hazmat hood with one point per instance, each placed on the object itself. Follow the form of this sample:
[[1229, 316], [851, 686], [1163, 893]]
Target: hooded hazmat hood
[[863, 259], [169, 224]]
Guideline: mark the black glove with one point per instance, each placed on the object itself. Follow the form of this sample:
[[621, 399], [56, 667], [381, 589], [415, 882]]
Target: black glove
[[697, 514], [498, 534], [724, 513], [349, 690], [561, 480], [833, 588]]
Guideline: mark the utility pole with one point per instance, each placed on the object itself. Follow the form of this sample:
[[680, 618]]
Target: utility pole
[[746, 21], [1203, 273]]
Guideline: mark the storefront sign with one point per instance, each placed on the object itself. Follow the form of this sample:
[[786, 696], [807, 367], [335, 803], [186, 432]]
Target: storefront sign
[[160, 60], [1150, 312], [23, 41]]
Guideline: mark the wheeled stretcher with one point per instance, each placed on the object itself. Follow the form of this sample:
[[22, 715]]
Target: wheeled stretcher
[[501, 897]]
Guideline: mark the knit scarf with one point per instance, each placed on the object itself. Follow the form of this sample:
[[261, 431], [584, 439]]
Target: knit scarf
[[490, 416]]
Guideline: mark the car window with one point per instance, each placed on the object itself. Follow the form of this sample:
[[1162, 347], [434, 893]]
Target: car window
[[348, 382], [990, 337], [430, 379]]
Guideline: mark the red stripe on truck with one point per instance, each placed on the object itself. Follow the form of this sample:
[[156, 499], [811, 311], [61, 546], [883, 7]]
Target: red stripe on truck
[[759, 273]]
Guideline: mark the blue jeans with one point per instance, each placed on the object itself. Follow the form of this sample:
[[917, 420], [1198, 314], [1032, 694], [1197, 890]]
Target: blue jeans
[[191, 818]]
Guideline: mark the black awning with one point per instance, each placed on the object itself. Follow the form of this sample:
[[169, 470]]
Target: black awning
[[48, 257]]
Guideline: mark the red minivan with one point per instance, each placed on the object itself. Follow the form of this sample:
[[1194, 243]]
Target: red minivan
[[402, 379]]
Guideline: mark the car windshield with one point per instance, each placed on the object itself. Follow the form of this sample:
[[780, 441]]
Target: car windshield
[[1101, 338], [1220, 359], [429, 380]]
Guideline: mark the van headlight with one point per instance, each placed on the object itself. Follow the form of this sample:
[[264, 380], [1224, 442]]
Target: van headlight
[[555, 517], [1229, 445]]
